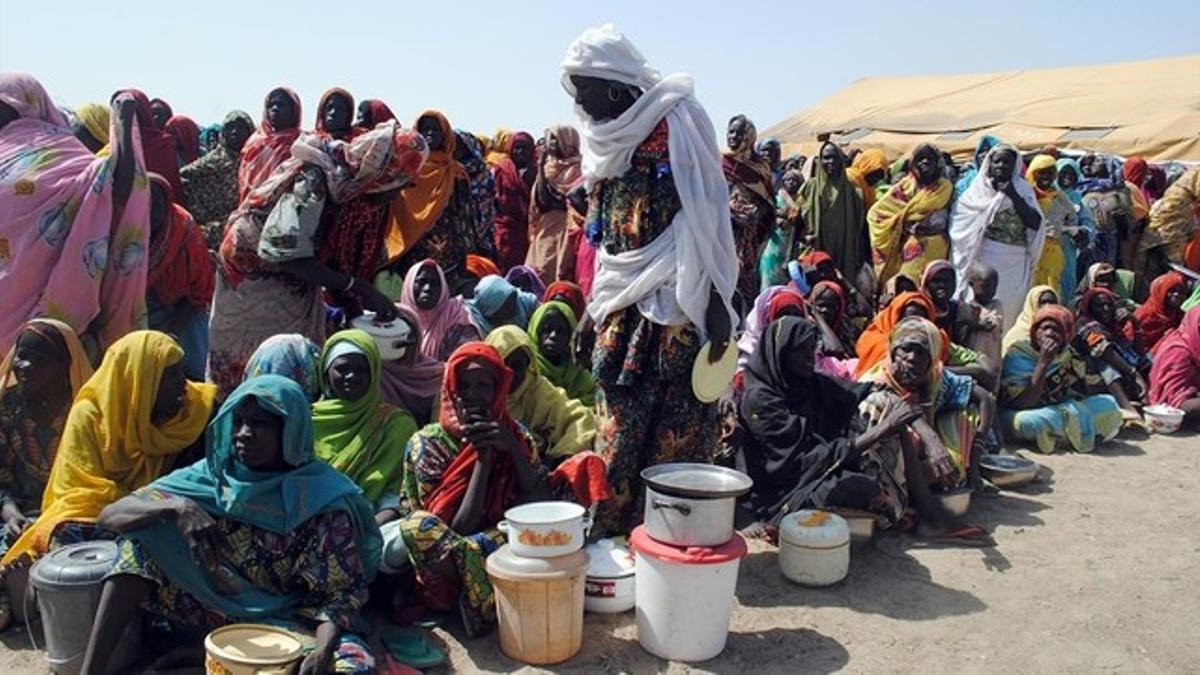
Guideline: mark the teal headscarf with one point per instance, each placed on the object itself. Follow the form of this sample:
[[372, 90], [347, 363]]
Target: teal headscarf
[[490, 294], [275, 501]]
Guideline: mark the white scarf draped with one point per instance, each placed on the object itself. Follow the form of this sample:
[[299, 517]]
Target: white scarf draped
[[669, 279]]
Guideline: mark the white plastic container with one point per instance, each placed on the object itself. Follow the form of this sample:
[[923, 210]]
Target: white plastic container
[[814, 548], [610, 578], [684, 596]]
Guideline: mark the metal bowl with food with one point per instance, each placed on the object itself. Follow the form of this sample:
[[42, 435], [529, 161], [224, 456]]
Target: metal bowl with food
[[1008, 470]]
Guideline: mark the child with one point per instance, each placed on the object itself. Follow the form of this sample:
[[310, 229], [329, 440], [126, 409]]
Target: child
[[984, 318]]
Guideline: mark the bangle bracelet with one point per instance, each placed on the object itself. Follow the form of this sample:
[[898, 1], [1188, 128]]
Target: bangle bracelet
[[349, 286]]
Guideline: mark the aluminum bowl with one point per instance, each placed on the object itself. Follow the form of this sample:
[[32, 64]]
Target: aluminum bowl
[[956, 502], [1008, 470]]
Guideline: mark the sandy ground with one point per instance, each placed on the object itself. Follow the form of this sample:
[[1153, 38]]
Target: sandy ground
[[1096, 570]]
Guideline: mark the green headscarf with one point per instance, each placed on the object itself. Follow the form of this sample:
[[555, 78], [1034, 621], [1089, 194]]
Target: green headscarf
[[578, 382], [364, 439], [278, 502], [560, 425]]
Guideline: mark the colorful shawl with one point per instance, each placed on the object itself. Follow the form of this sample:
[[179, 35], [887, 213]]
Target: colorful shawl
[[418, 207], [61, 253], [483, 190], [1175, 375], [744, 168], [449, 318], [890, 218], [1154, 318], [276, 501], [291, 355], [834, 214], [578, 382], [561, 425], [267, 147], [362, 438], [210, 184], [1173, 218], [109, 446]]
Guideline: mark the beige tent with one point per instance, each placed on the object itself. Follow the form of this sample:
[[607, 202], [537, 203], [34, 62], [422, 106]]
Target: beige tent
[[1149, 108]]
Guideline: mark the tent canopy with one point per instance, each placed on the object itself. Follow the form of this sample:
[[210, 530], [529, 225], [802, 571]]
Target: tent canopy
[[1149, 108]]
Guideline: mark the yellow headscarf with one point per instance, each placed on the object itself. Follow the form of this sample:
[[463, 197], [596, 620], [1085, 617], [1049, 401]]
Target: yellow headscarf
[[95, 119], [560, 425], [497, 149], [1020, 329], [1041, 162], [109, 447], [865, 163]]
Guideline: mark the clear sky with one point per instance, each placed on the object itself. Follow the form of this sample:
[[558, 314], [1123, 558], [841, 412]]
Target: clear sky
[[492, 64]]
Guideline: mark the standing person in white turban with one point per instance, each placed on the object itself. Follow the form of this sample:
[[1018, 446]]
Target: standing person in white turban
[[667, 265], [996, 220]]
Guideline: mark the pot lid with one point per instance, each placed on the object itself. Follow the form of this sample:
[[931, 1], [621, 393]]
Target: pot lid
[[816, 529], [695, 480], [83, 563], [644, 544], [609, 561], [710, 380], [508, 565]]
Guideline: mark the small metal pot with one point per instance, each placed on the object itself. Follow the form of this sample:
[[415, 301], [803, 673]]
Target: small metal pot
[[545, 529]]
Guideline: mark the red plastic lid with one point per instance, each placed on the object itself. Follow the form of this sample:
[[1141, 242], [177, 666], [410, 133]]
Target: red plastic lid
[[642, 543]]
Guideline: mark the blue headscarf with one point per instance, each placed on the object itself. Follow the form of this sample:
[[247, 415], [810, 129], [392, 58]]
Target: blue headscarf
[[275, 501], [490, 294], [982, 148], [291, 355]]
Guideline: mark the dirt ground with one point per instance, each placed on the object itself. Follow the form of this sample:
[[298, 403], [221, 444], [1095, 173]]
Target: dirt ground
[[1096, 569]]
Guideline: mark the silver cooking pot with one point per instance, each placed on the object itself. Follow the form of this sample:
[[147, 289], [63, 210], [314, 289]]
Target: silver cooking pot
[[692, 504]]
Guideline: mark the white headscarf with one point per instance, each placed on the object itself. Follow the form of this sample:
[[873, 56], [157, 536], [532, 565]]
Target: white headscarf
[[977, 207], [669, 279]]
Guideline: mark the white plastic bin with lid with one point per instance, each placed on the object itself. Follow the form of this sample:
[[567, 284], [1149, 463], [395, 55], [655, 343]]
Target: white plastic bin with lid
[[539, 604], [814, 547], [684, 596]]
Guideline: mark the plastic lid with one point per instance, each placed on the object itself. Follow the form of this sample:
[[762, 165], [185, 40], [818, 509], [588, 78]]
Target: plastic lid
[[815, 529], [609, 561], [255, 644], [84, 563], [508, 565], [642, 543], [710, 380]]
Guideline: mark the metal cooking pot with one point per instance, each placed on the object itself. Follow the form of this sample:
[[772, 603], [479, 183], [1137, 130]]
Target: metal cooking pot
[[692, 504]]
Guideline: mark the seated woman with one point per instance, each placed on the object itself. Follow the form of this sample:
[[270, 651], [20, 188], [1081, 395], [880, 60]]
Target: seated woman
[[38, 380], [257, 532], [551, 330], [963, 409], [355, 431], [1162, 311], [128, 423], [291, 355], [957, 320], [463, 472], [835, 355], [1037, 298], [560, 425], [872, 345], [445, 320], [1175, 376], [800, 437], [756, 321], [1047, 395], [937, 446], [179, 282], [412, 382], [498, 303], [1098, 337]]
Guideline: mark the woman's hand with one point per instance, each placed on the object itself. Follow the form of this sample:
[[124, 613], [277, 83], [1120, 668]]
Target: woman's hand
[[373, 299], [716, 323], [318, 661], [900, 416], [585, 339]]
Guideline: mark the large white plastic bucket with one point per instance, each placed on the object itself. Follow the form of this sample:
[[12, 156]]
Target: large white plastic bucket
[[685, 597]]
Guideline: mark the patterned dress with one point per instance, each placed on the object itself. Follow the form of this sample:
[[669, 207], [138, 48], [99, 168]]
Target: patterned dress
[[26, 453], [645, 409], [318, 560], [753, 222], [210, 191]]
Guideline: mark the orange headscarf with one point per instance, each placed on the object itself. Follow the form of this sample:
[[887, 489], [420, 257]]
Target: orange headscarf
[[418, 207], [864, 164], [872, 346]]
